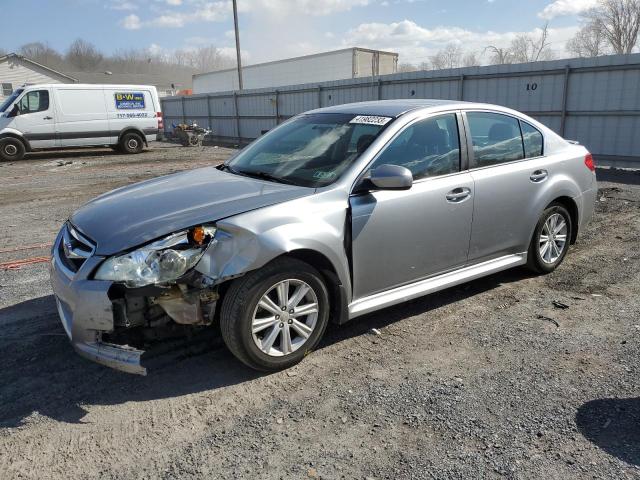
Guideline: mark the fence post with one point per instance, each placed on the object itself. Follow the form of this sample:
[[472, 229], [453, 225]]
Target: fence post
[[184, 119], [319, 96], [565, 99], [237, 115], [209, 113], [379, 88], [277, 108], [461, 88]]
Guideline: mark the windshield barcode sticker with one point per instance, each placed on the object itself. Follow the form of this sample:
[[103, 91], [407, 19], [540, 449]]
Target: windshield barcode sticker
[[371, 120]]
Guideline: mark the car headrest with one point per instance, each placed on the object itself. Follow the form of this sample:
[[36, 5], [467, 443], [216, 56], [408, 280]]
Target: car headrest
[[500, 132], [363, 143]]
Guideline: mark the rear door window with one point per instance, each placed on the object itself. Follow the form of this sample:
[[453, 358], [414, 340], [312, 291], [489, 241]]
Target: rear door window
[[533, 140], [496, 138]]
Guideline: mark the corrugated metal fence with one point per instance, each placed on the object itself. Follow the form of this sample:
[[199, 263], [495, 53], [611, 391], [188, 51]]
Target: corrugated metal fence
[[595, 101]]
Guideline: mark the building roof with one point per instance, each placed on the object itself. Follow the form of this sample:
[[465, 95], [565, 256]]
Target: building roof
[[386, 108], [22, 58]]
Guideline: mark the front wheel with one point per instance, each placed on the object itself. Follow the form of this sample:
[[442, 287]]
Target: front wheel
[[273, 317], [11, 149], [550, 240]]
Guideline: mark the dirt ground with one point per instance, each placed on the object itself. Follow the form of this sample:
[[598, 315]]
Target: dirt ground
[[487, 380]]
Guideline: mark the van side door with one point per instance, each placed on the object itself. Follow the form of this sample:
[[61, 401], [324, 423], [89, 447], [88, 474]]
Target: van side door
[[82, 116], [509, 172], [35, 118]]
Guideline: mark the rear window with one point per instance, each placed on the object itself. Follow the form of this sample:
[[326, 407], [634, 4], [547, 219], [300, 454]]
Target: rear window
[[533, 140], [496, 138]]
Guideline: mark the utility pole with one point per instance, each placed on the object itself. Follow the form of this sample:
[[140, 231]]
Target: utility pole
[[235, 22]]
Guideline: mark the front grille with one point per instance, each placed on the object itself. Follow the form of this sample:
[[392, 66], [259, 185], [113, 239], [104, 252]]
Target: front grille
[[74, 248]]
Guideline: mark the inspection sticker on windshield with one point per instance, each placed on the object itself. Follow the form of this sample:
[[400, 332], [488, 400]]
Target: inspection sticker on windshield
[[371, 120]]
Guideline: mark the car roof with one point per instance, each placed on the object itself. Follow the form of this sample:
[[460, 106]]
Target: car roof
[[389, 108]]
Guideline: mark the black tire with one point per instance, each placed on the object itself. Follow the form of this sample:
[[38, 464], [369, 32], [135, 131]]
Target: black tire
[[131, 143], [535, 262], [11, 149], [241, 300]]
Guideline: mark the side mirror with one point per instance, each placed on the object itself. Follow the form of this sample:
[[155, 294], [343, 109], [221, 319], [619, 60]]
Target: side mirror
[[15, 111], [391, 177]]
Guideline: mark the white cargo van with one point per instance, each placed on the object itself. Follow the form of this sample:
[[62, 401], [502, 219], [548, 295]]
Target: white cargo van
[[34, 117]]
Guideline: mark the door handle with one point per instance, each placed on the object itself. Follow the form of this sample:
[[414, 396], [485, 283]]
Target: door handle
[[48, 118], [539, 176], [457, 195]]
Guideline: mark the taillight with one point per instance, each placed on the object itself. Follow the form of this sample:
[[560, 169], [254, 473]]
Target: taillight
[[588, 161], [160, 121]]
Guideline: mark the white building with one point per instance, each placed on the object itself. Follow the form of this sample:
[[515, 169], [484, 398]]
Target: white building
[[16, 70], [336, 65]]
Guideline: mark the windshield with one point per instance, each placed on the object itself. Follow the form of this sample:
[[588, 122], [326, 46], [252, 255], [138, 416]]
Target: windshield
[[10, 99], [310, 150]]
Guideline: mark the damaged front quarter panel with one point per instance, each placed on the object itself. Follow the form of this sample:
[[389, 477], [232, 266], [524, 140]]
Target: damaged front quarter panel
[[250, 240]]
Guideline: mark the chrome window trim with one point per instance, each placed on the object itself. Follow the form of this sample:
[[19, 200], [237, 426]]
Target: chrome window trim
[[472, 163]]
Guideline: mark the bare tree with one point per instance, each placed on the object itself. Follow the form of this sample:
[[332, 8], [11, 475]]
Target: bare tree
[[526, 47], [499, 55], [531, 47], [588, 42], [449, 57], [619, 21], [42, 53], [83, 55], [406, 67], [471, 59]]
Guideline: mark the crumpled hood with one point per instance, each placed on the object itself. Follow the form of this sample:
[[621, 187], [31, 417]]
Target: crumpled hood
[[133, 215]]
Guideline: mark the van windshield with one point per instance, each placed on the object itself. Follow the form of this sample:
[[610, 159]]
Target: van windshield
[[10, 99], [311, 150]]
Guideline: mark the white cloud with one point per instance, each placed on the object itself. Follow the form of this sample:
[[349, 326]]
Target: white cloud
[[122, 5], [560, 8], [217, 11], [415, 43], [306, 7], [131, 22]]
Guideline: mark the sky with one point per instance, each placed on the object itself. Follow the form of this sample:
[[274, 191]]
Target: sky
[[275, 29]]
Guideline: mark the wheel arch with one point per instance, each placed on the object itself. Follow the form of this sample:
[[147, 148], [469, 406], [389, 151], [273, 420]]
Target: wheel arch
[[571, 206], [132, 129], [20, 138], [337, 294]]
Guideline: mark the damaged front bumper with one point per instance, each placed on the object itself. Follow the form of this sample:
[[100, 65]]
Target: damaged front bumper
[[97, 314]]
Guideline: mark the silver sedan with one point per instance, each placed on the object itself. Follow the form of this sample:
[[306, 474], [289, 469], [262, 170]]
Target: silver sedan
[[333, 214]]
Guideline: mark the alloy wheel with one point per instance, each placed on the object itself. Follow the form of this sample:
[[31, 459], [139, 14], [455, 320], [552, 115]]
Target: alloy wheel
[[285, 317], [553, 238]]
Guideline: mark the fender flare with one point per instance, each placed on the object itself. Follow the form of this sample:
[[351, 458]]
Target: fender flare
[[17, 136], [133, 129]]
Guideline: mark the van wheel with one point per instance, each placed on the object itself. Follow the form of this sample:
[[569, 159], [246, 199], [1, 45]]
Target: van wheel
[[131, 143], [11, 149], [273, 317], [551, 239]]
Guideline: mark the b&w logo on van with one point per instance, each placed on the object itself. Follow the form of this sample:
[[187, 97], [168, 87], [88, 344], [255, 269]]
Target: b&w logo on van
[[130, 101]]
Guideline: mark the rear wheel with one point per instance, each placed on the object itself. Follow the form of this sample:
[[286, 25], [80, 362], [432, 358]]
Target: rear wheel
[[550, 240], [11, 149], [131, 143], [273, 317]]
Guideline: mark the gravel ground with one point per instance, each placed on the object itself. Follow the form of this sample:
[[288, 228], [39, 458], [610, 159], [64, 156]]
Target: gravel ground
[[487, 380]]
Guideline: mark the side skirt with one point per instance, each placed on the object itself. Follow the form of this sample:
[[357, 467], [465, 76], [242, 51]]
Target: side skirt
[[434, 284]]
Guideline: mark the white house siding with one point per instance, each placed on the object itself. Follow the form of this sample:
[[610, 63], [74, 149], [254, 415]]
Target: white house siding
[[18, 72]]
